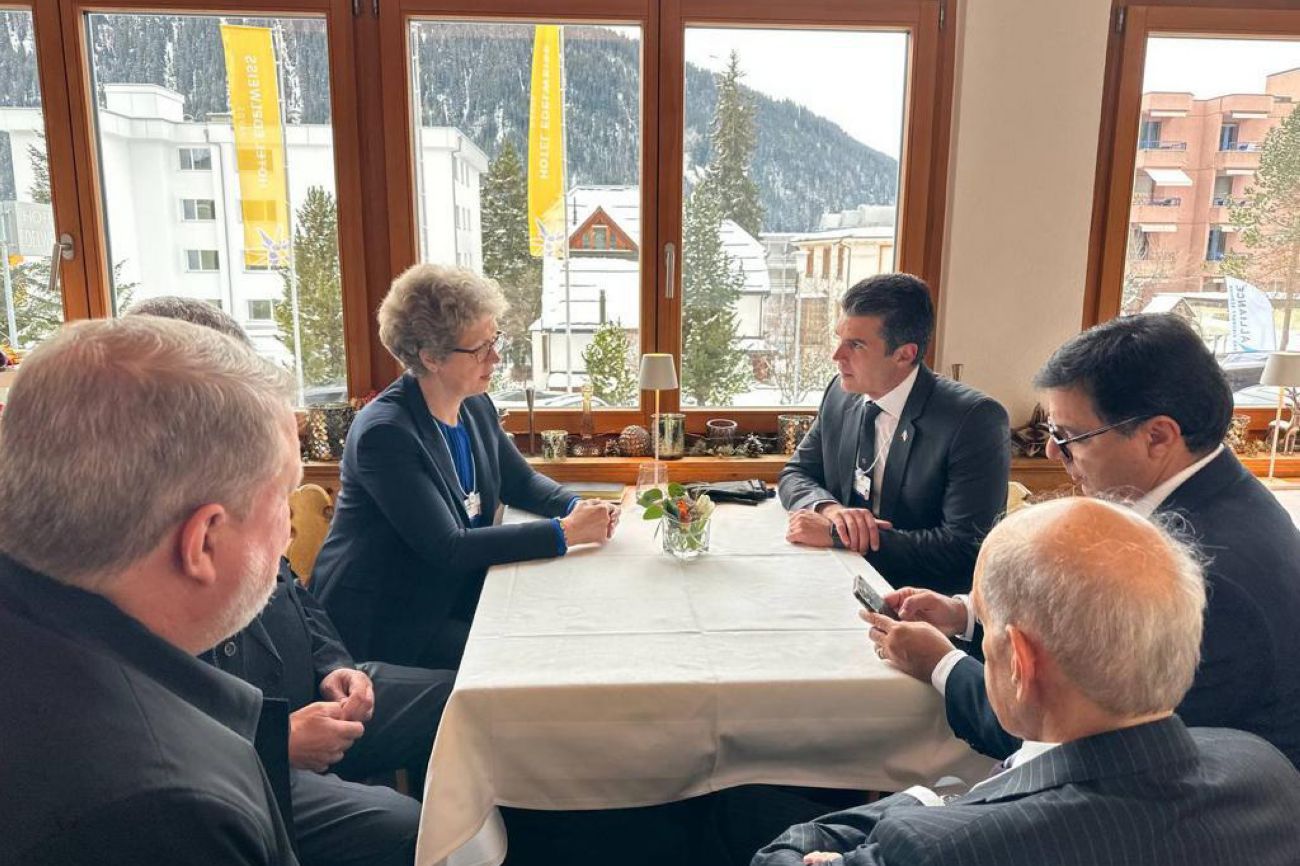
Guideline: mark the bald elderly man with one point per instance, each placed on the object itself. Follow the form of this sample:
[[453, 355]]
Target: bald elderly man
[[1092, 634]]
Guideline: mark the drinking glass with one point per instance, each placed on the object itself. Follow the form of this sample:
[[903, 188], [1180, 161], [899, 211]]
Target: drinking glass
[[650, 475]]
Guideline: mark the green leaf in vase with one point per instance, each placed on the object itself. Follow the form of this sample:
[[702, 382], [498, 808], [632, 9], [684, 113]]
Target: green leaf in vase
[[654, 494]]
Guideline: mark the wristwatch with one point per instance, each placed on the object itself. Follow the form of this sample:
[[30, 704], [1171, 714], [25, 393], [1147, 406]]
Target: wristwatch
[[836, 541]]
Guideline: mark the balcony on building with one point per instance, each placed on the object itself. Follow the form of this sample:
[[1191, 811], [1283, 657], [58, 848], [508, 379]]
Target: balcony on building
[[1242, 159], [1161, 154], [1159, 194]]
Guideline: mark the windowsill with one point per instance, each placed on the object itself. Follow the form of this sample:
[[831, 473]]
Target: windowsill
[[1037, 473], [624, 469], [1288, 466]]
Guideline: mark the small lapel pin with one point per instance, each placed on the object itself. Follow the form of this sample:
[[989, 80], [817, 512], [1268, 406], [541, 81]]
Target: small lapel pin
[[904, 435]]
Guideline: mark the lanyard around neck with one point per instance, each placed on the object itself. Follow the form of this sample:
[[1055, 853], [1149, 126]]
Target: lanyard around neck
[[473, 470]]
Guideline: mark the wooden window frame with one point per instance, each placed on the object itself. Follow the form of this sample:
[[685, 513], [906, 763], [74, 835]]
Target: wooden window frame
[[399, 156], [373, 171], [923, 163], [1132, 24], [923, 169], [77, 299], [64, 22]]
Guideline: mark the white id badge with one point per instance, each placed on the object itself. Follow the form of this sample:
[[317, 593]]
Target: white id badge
[[473, 505], [862, 483]]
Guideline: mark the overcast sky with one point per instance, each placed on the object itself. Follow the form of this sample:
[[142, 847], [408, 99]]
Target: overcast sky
[[856, 79], [852, 78], [1216, 67]]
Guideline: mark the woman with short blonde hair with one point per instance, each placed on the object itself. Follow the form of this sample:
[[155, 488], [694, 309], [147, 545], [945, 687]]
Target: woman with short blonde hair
[[425, 466]]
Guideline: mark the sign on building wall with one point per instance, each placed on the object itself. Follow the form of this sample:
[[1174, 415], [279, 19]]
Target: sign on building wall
[[259, 144], [546, 146], [27, 228]]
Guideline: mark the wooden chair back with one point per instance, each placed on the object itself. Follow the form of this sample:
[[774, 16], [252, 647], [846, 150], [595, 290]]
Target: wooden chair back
[[310, 510], [1017, 493]]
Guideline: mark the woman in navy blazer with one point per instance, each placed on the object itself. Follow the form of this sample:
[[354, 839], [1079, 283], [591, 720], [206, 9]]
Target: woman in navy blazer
[[425, 466]]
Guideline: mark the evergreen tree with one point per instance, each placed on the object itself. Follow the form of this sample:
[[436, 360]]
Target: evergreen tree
[[38, 312], [39, 191], [1270, 220], [320, 292], [714, 370], [732, 138], [609, 365], [505, 253]]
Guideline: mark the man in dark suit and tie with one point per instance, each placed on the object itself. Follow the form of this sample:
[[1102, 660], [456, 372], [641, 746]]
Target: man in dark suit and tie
[[903, 466], [1092, 630], [1138, 408]]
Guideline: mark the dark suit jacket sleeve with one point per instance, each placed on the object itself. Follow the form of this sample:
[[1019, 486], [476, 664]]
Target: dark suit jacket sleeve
[[971, 716], [849, 833], [803, 478], [327, 651], [526, 488], [1235, 659], [164, 827], [979, 464], [392, 472]]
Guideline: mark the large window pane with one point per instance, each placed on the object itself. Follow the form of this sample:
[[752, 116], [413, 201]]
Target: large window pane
[[31, 310], [790, 196], [1214, 228], [217, 159], [575, 291]]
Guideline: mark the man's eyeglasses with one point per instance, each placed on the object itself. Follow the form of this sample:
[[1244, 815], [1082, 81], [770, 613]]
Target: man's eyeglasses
[[480, 352], [1063, 444]]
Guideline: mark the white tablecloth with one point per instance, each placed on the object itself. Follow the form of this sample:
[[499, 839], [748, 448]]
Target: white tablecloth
[[619, 676]]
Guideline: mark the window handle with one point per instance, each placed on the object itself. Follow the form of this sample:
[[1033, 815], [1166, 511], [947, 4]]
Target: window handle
[[670, 266], [63, 250]]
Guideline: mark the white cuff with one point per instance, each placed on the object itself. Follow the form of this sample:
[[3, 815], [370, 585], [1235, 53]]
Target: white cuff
[[969, 634], [939, 676], [813, 508], [924, 795]]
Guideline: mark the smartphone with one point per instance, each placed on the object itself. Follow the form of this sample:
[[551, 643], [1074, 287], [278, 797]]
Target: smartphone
[[871, 599]]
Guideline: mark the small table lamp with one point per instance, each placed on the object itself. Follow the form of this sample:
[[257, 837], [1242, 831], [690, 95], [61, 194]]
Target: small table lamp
[[1281, 370], [658, 373]]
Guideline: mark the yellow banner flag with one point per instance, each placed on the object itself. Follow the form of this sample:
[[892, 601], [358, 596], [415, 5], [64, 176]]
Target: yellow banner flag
[[546, 147], [259, 144]]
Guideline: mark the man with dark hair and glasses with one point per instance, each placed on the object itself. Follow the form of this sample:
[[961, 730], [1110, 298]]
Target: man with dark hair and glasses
[[1138, 408], [903, 466]]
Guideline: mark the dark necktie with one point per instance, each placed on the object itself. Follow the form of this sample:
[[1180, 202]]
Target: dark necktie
[[867, 448]]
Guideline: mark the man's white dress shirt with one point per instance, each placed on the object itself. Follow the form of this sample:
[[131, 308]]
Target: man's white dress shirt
[[891, 411]]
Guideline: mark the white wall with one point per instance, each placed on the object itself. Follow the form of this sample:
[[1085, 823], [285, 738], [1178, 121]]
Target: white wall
[[1024, 153]]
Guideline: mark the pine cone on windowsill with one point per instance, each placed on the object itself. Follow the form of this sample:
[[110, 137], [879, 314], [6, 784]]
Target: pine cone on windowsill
[[1030, 440]]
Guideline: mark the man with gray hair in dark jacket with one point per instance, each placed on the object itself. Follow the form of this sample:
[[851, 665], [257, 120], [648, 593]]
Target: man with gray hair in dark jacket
[[135, 536], [346, 721]]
